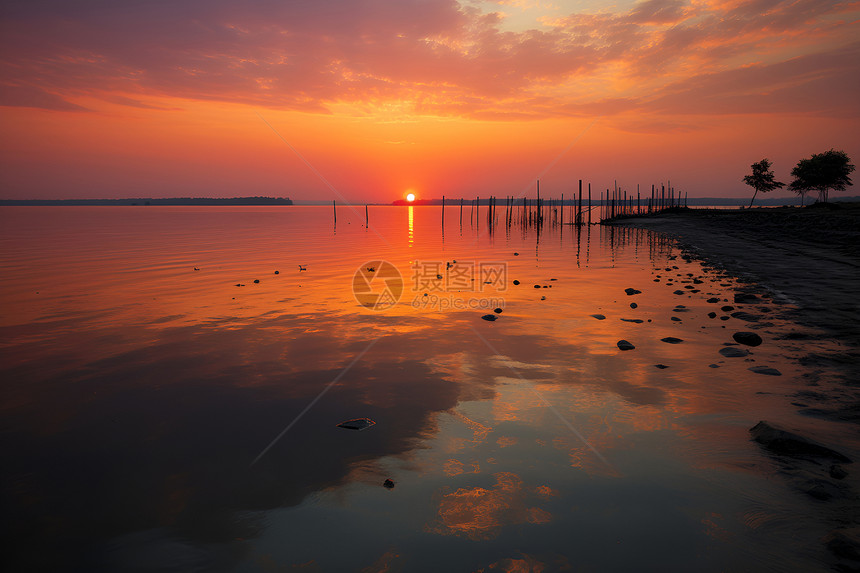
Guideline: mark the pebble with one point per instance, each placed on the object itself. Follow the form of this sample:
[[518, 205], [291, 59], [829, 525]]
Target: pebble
[[671, 340], [624, 345], [748, 338], [766, 370]]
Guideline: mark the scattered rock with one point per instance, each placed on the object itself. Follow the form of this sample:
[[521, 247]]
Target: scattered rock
[[537, 286], [636, 320], [727, 308], [785, 443], [713, 300], [838, 472], [388, 484], [671, 340], [497, 310], [661, 366], [516, 254], [357, 424], [766, 370], [632, 291], [633, 305], [748, 338], [676, 319], [745, 297], [713, 365], [490, 317], [678, 292], [543, 297], [844, 543], [732, 352], [256, 281], [624, 345], [712, 315], [598, 316], [516, 282], [277, 272]]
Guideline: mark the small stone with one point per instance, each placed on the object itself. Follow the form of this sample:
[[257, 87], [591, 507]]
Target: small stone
[[748, 338], [671, 340], [838, 472], [783, 442], [497, 310], [490, 317], [713, 300], [675, 319], [516, 282], [543, 297], [357, 424], [634, 320], [388, 484], [537, 286], [624, 345], [712, 315], [661, 366], [732, 352], [745, 297], [598, 316], [633, 305], [277, 272], [678, 292], [632, 291], [727, 308], [256, 281], [713, 365], [516, 254], [766, 370]]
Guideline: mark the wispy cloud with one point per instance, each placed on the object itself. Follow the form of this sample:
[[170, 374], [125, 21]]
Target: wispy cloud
[[435, 56]]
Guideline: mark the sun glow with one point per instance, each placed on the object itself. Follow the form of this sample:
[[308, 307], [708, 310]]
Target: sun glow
[[410, 197]]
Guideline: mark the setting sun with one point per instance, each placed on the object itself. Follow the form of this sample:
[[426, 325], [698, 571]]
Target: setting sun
[[410, 197]]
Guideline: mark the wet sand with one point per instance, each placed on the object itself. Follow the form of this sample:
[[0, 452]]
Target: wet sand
[[805, 258], [808, 262]]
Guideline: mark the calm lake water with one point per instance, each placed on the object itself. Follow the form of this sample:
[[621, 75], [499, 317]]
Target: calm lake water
[[158, 417]]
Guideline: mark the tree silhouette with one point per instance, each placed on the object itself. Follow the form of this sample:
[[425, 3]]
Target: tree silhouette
[[762, 179], [822, 172]]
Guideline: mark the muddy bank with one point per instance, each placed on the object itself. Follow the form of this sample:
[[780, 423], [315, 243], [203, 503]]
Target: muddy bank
[[806, 258]]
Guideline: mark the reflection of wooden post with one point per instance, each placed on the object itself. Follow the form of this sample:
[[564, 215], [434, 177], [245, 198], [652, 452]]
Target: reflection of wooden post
[[334, 208]]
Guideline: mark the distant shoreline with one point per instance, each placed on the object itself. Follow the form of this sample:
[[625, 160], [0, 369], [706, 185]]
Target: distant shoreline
[[148, 201]]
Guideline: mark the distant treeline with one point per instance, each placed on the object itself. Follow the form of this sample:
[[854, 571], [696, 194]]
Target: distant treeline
[[144, 201], [694, 201]]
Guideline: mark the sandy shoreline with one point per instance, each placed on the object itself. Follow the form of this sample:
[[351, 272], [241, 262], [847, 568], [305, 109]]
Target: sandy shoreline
[[808, 259]]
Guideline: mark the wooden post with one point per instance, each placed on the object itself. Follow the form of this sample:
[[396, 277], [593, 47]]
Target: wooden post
[[579, 209], [366, 217], [334, 208], [589, 204], [443, 210]]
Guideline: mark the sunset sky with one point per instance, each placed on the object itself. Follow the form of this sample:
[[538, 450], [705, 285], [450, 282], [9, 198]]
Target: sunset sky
[[170, 98]]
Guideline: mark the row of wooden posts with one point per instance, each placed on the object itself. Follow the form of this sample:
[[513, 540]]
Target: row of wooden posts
[[537, 212]]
